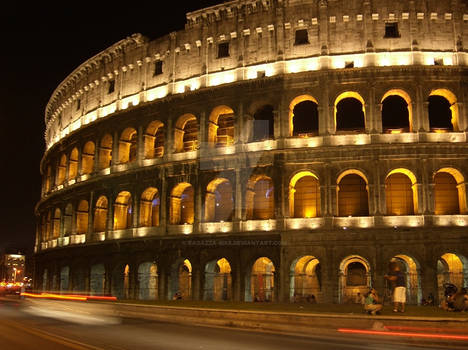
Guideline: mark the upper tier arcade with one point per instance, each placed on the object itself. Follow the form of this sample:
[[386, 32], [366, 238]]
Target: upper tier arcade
[[243, 40]]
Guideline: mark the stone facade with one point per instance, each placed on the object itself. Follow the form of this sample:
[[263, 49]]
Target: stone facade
[[157, 179]]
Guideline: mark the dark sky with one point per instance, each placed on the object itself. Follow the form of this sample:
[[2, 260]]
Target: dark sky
[[40, 46]]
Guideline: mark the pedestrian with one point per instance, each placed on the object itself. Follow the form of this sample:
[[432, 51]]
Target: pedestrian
[[372, 304], [397, 279]]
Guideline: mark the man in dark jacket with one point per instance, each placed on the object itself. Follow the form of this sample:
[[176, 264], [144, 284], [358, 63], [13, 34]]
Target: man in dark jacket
[[397, 279]]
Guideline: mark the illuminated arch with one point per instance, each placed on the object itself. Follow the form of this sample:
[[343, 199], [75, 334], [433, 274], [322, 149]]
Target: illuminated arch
[[182, 204], [260, 282], [218, 280], [406, 97], [452, 268], [355, 277], [56, 223], [411, 268], [128, 146], [221, 126], [62, 169], [397, 190], [294, 102], [123, 211], [304, 197], [154, 139], [305, 279], [105, 151], [82, 217], [452, 100], [180, 280], [100, 214], [260, 201], [345, 95], [149, 207], [449, 192], [87, 158], [186, 133], [352, 193], [73, 164], [219, 201]]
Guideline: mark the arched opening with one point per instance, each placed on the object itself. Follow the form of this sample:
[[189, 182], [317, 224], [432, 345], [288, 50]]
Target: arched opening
[[48, 183], [128, 146], [82, 217], [123, 211], [355, 277], [451, 268], [396, 112], [64, 279], [449, 192], [68, 220], [221, 127], [45, 280], [43, 233], [100, 214], [443, 111], [105, 152], [149, 207], [148, 281], [352, 195], [56, 223], [87, 158], [48, 232], [401, 193], [154, 140], [218, 283], [260, 198], [61, 170], [186, 133], [304, 195], [180, 281], [121, 282], [97, 279], [305, 280], [182, 204], [263, 124], [304, 116], [73, 164], [411, 269], [260, 283], [219, 201], [350, 113]]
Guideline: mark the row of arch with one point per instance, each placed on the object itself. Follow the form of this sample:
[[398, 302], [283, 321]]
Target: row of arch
[[401, 196], [349, 116], [355, 276]]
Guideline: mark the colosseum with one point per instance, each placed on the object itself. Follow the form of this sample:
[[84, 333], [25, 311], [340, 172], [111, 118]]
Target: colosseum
[[269, 150]]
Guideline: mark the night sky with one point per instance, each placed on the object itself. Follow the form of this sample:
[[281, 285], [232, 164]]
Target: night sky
[[40, 46]]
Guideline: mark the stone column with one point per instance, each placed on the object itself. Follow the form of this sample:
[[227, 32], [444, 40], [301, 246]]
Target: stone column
[[136, 210], [140, 146], [198, 205], [110, 213], [90, 217], [115, 149], [165, 199]]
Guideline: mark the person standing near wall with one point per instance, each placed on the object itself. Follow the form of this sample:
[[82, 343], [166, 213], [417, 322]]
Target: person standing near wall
[[397, 279]]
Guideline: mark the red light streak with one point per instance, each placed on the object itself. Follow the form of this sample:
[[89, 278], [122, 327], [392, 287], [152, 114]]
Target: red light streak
[[402, 328], [404, 334]]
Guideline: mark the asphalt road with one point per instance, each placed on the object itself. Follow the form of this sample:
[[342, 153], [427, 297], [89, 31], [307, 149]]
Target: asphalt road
[[20, 330]]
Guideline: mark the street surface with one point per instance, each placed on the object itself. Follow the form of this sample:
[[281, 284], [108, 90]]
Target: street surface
[[20, 329]]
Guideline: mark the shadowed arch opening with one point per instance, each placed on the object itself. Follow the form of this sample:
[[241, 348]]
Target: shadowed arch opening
[[221, 127], [303, 116], [87, 158], [449, 192], [260, 282], [64, 279], [120, 286], [105, 152], [263, 124], [123, 211], [154, 139], [443, 111], [97, 279], [411, 269], [148, 281], [218, 281], [355, 277], [128, 146], [350, 112], [100, 214], [73, 164], [180, 280], [82, 217], [149, 207], [219, 201], [352, 194], [260, 198], [401, 193], [186, 133], [304, 195], [396, 112], [305, 284], [68, 220], [182, 204]]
